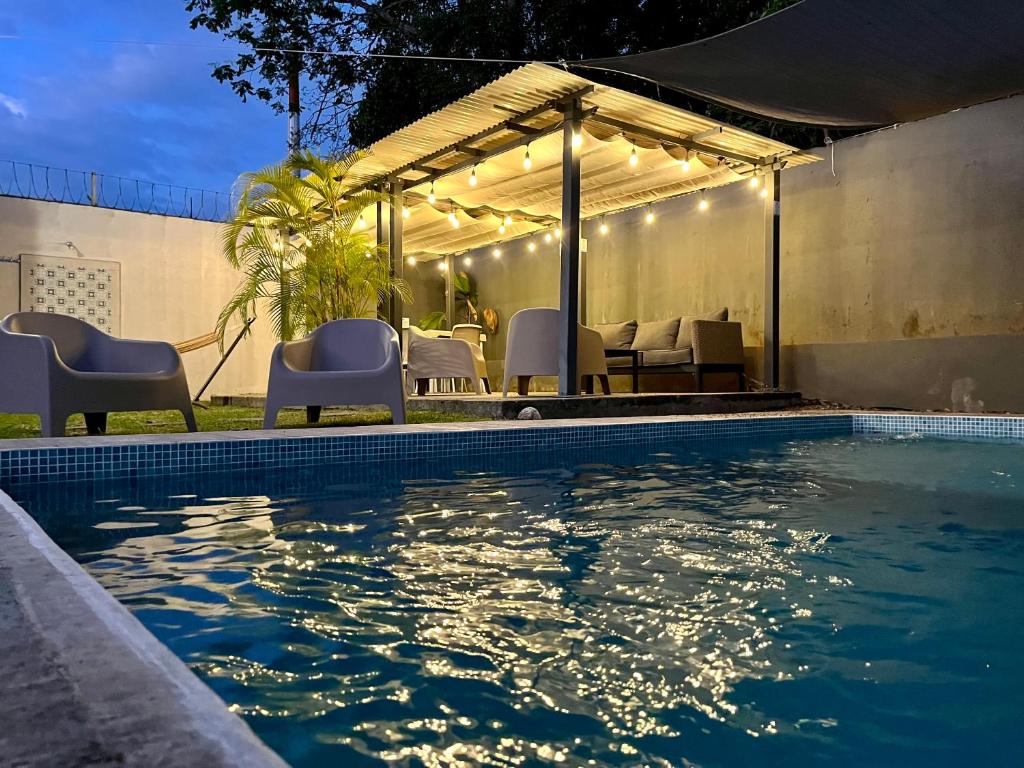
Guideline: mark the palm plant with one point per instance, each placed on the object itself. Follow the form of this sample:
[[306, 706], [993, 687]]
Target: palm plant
[[295, 237]]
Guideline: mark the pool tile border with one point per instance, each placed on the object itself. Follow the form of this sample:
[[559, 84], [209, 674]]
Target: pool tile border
[[72, 459]]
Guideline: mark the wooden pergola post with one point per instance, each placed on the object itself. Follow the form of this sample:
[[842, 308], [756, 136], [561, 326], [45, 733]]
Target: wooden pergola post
[[772, 220], [569, 281]]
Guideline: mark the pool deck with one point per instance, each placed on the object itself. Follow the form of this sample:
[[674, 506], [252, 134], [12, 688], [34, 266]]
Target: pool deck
[[85, 684]]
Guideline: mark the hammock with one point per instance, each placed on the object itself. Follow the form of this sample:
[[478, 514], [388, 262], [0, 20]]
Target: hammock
[[199, 342], [206, 340]]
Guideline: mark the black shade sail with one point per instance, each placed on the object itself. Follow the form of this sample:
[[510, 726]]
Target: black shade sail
[[850, 63]]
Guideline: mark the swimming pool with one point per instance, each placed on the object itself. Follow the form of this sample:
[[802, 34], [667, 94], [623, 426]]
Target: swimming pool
[[778, 602]]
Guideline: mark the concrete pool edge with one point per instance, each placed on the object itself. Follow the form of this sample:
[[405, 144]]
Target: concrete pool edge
[[148, 708]]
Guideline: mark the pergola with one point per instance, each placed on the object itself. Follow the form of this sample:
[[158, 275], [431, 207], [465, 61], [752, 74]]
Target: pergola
[[539, 150]]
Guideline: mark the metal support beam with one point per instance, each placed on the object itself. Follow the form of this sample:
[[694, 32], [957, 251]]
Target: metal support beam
[[569, 283], [396, 224], [382, 238], [772, 221], [449, 289], [687, 142]]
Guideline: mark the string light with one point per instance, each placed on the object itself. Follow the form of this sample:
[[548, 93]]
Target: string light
[[527, 162], [472, 177], [496, 253], [501, 229], [431, 198], [633, 157], [508, 220], [406, 213], [755, 182], [411, 261], [443, 265], [558, 232], [361, 222], [603, 229], [467, 262], [547, 237], [686, 162], [703, 204], [577, 140], [453, 219], [531, 246], [649, 218], [764, 191]]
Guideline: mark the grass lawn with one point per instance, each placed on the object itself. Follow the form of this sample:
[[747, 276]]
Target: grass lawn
[[220, 418]]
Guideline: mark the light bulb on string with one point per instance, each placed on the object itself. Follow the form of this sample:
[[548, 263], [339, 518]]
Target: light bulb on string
[[703, 204], [527, 162], [431, 198], [360, 222], [501, 229], [633, 157], [508, 220], [577, 140], [467, 261], [472, 177], [686, 162], [755, 182], [411, 261], [547, 237], [443, 265], [453, 219], [764, 192], [558, 232], [603, 229], [649, 217], [496, 253], [531, 246], [406, 213]]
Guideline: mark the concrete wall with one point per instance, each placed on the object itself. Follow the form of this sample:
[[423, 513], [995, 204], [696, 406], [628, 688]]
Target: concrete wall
[[174, 279], [902, 276]]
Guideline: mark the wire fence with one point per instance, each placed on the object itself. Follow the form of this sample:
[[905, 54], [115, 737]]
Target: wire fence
[[61, 185]]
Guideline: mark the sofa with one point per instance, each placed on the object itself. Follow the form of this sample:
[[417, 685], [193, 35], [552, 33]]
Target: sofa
[[691, 344]]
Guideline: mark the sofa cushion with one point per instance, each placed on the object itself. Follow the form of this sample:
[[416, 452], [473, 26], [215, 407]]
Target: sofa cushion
[[667, 357], [684, 340], [617, 335], [660, 334]]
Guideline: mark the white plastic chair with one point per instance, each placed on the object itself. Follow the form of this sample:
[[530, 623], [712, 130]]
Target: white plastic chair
[[454, 358], [343, 362], [532, 350]]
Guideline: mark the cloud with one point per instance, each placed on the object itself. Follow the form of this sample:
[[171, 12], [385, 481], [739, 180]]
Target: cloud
[[12, 105], [149, 112]]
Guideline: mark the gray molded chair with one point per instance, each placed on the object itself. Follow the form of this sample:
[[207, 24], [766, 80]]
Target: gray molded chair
[[532, 350], [55, 365], [343, 362]]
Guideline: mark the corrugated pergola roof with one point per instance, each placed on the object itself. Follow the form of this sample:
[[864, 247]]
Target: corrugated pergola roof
[[491, 129]]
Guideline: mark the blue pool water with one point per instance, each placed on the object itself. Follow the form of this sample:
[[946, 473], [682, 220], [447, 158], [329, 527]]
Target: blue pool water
[[851, 600]]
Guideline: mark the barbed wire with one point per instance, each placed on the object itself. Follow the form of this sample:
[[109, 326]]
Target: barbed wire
[[63, 185]]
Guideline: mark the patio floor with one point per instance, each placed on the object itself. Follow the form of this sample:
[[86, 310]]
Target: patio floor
[[617, 404]]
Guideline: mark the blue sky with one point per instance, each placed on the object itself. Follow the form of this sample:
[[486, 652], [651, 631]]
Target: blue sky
[[148, 112]]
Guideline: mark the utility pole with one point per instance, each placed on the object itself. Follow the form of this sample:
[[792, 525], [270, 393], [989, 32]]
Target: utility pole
[[294, 106]]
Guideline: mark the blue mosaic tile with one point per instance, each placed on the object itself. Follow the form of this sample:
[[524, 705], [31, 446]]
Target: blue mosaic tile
[[51, 465], [955, 427], [138, 459]]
